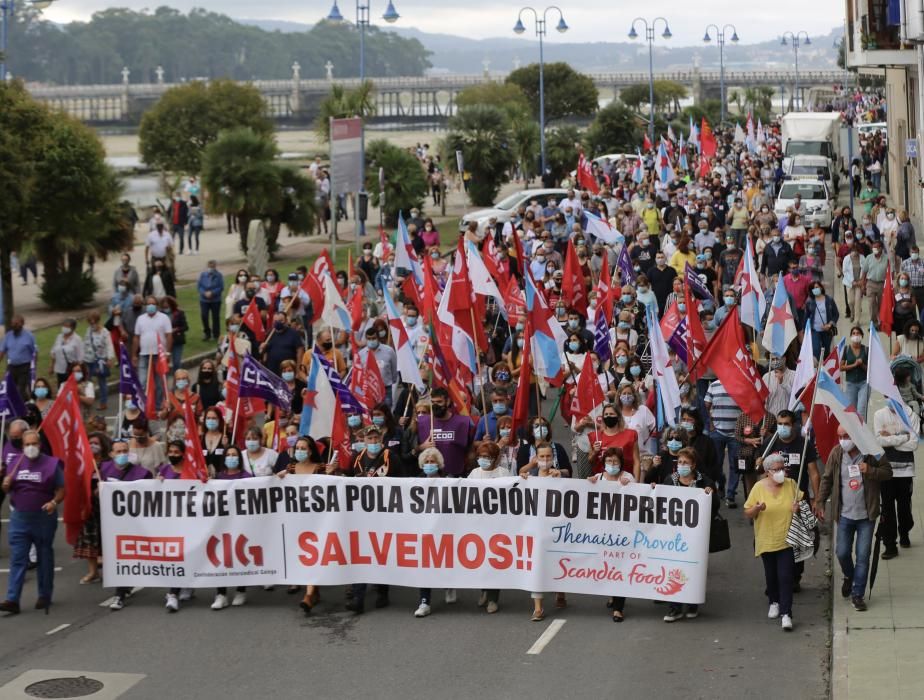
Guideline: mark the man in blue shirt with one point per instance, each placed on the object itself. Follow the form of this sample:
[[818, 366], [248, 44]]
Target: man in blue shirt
[[18, 347], [285, 343], [487, 424], [211, 285]]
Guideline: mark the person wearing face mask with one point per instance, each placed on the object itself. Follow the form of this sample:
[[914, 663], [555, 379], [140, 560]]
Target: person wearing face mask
[[729, 301], [100, 355], [231, 468], [872, 277], [158, 246], [284, 343], [822, 315], [333, 355], [89, 545], [178, 216], [730, 259], [771, 504], [237, 291], [899, 443], [688, 476], [723, 415], [662, 280], [852, 481], [214, 440], [850, 269], [172, 412], [664, 463], [86, 392], [123, 466], [207, 385], [159, 281], [257, 460], [539, 431], [172, 310], [67, 349], [487, 424], [35, 484], [431, 467], [813, 262], [153, 331], [854, 361], [240, 309], [450, 433], [173, 467], [18, 347], [270, 287], [914, 268], [126, 275], [210, 286], [545, 468], [612, 431], [637, 416], [910, 343]]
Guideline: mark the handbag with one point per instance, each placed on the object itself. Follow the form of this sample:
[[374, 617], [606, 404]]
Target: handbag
[[802, 532], [719, 539]]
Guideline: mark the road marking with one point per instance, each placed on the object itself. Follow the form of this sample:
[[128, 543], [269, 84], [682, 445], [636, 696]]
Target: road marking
[[6, 520], [546, 637], [6, 571], [106, 603], [58, 629]]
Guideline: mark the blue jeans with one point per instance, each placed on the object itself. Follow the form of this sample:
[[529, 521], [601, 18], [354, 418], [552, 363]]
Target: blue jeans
[[858, 393], [858, 570], [102, 381], [179, 232], [820, 341], [722, 443], [194, 232], [176, 356], [25, 530]]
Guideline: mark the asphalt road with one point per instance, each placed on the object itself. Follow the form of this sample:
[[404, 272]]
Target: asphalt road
[[269, 649]]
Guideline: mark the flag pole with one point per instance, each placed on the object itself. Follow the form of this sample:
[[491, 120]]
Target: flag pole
[[478, 368], [808, 424], [237, 407]]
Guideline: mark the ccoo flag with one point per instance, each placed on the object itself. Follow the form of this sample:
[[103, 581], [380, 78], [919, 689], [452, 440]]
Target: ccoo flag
[[258, 382]]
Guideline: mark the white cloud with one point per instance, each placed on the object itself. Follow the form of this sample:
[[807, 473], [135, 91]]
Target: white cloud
[[589, 20]]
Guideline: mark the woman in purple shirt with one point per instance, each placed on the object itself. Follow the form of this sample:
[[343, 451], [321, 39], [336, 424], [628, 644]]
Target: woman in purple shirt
[[173, 469]]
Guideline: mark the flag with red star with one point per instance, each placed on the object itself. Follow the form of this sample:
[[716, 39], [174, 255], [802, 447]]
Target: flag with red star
[[781, 326]]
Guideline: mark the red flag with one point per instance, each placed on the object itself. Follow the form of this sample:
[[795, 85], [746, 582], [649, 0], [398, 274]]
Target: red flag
[[707, 143], [355, 305], [340, 437], [313, 284], [585, 175], [573, 289], [887, 305], [514, 299], [412, 292], [646, 144], [63, 426], [696, 336], [429, 292], [462, 301], [497, 266], [373, 384], [824, 423], [729, 358], [193, 459], [605, 291], [704, 168], [253, 321], [150, 391], [386, 244], [521, 400], [589, 394], [670, 320], [518, 251]]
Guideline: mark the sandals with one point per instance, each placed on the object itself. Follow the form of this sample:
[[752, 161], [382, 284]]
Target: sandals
[[538, 615], [618, 616], [90, 579], [609, 603], [306, 606]]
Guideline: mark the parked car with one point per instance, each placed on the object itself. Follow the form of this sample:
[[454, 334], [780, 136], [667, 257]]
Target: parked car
[[816, 201], [506, 209], [810, 168]]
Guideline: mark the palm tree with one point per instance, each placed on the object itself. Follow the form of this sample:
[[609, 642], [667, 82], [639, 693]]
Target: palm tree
[[342, 103], [482, 133]]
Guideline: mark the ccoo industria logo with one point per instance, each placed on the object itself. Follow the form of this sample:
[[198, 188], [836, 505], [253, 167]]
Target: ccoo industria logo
[[138, 555]]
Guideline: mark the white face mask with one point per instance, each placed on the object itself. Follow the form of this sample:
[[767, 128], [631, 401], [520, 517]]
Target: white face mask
[[846, 444], [779, 476], [30, 451]]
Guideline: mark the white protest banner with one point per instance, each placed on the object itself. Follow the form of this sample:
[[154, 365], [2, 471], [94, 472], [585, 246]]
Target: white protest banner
[[555, 535]]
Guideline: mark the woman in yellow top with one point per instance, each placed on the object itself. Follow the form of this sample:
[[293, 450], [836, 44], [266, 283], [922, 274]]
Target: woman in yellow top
[[771, 505], [682, 256]]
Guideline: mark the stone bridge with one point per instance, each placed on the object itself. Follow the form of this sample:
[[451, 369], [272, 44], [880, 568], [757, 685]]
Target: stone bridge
[[411, 99]]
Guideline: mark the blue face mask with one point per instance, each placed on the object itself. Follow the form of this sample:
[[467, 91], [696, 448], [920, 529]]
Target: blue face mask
[[378, 420], [573, 346], [499, 408], [816, 291], [41, 392], [291, 440], [211, 424], [621, 360], [572, 323], [182, 383], [374, 448], [626, 298], [635, 370], [359, 446], [252, 445], [674, 445], [540, 432], [288, 376], [354, 421], [612, 469], [431, 469], [709, 325], [784, 431], [729, 301], [624, 325], [682, 308], [411, 321], [484, 462], [129, 405], [683, 470], [232, 462], [301, 455], [372, 344], [151, 309], [504, 432], [121, 459]]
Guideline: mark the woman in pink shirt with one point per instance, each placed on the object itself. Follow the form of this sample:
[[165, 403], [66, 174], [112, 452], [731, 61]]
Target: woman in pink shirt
[[430, 236]]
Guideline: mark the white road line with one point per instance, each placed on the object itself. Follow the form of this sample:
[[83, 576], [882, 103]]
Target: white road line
[[546, 637], [6, 571], [106, 603], [6, 520], [58, 629]]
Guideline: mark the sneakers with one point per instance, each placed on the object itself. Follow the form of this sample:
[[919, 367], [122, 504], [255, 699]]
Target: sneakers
[[239, 599], [186, 594], [172, 603], [858, 603], [730, 503], [491, 607], [889, 554], [904, 542], [692, 612], [118, 603], [673, 614], [269, 588], [787, 623], [422, 610], [451, 596], [483, 600], [846, 587], [774, 611], [221, 602]]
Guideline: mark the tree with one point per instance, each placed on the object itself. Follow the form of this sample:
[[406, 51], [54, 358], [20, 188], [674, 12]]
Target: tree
[[614, 129], [710, 109], [342, 103], [567, 92], [667, 93], [508, 96], [405, 180], [243, 179], [482, 133], [176, 131], [561, 150]]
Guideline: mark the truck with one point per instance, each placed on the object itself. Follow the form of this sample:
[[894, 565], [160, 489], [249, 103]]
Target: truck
[[812, 134]]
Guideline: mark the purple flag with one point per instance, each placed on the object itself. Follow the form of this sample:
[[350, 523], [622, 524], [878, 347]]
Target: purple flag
[[11, 405], [128, 379], [602, 337], [258, 382], [678, 340], [624, 265], [349, 402], [696, 284]]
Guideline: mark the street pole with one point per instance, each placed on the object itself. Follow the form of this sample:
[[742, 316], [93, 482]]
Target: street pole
[[650, 37], [720, 40], [795, 37], [362, 19], [541, 28], [7, 7]]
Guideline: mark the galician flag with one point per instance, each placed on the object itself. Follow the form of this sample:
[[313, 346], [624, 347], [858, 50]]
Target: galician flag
[[335, 313], [829, 394], [781, 326], [319, 402], [879, 377], [753, 302], [408, 365]]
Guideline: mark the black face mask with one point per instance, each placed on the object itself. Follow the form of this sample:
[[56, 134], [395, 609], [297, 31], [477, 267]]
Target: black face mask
[[439, 411], [16, 442], [328, 345], [251, 293], [610, 421], [174, 459]]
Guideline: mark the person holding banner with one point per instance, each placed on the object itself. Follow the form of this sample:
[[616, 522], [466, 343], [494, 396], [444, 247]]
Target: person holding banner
[[687, 475], [173, 468], [257, 460], [89, 544], [539, 432], [544, 469], [431, 467], [231, 469], [771, 505], [35, 483]]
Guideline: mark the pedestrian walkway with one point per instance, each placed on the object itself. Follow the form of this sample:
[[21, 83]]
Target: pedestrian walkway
[[878, 653]]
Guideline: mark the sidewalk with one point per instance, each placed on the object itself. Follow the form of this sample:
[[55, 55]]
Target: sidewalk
[[878, 653]]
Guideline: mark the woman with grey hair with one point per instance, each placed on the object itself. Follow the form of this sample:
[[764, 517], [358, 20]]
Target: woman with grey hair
[[431, 467], [771, 505]]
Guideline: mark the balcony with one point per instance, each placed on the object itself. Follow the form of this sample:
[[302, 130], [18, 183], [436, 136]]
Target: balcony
[[869, 46]]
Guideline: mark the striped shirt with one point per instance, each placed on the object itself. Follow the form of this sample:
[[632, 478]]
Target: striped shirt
[[915, 270], [722, 409]]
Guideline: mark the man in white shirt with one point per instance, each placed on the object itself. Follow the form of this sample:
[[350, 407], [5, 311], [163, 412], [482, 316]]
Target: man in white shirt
[[157, 244], [149, 328]]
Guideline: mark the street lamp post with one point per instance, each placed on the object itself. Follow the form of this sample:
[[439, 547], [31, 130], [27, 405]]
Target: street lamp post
[[362, 21], [720, 40], [518, 28], [7, 8], [650, 37], [797, 96]]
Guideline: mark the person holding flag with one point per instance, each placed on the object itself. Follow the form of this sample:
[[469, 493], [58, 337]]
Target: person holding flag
[[153, 331], [899, 441]]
